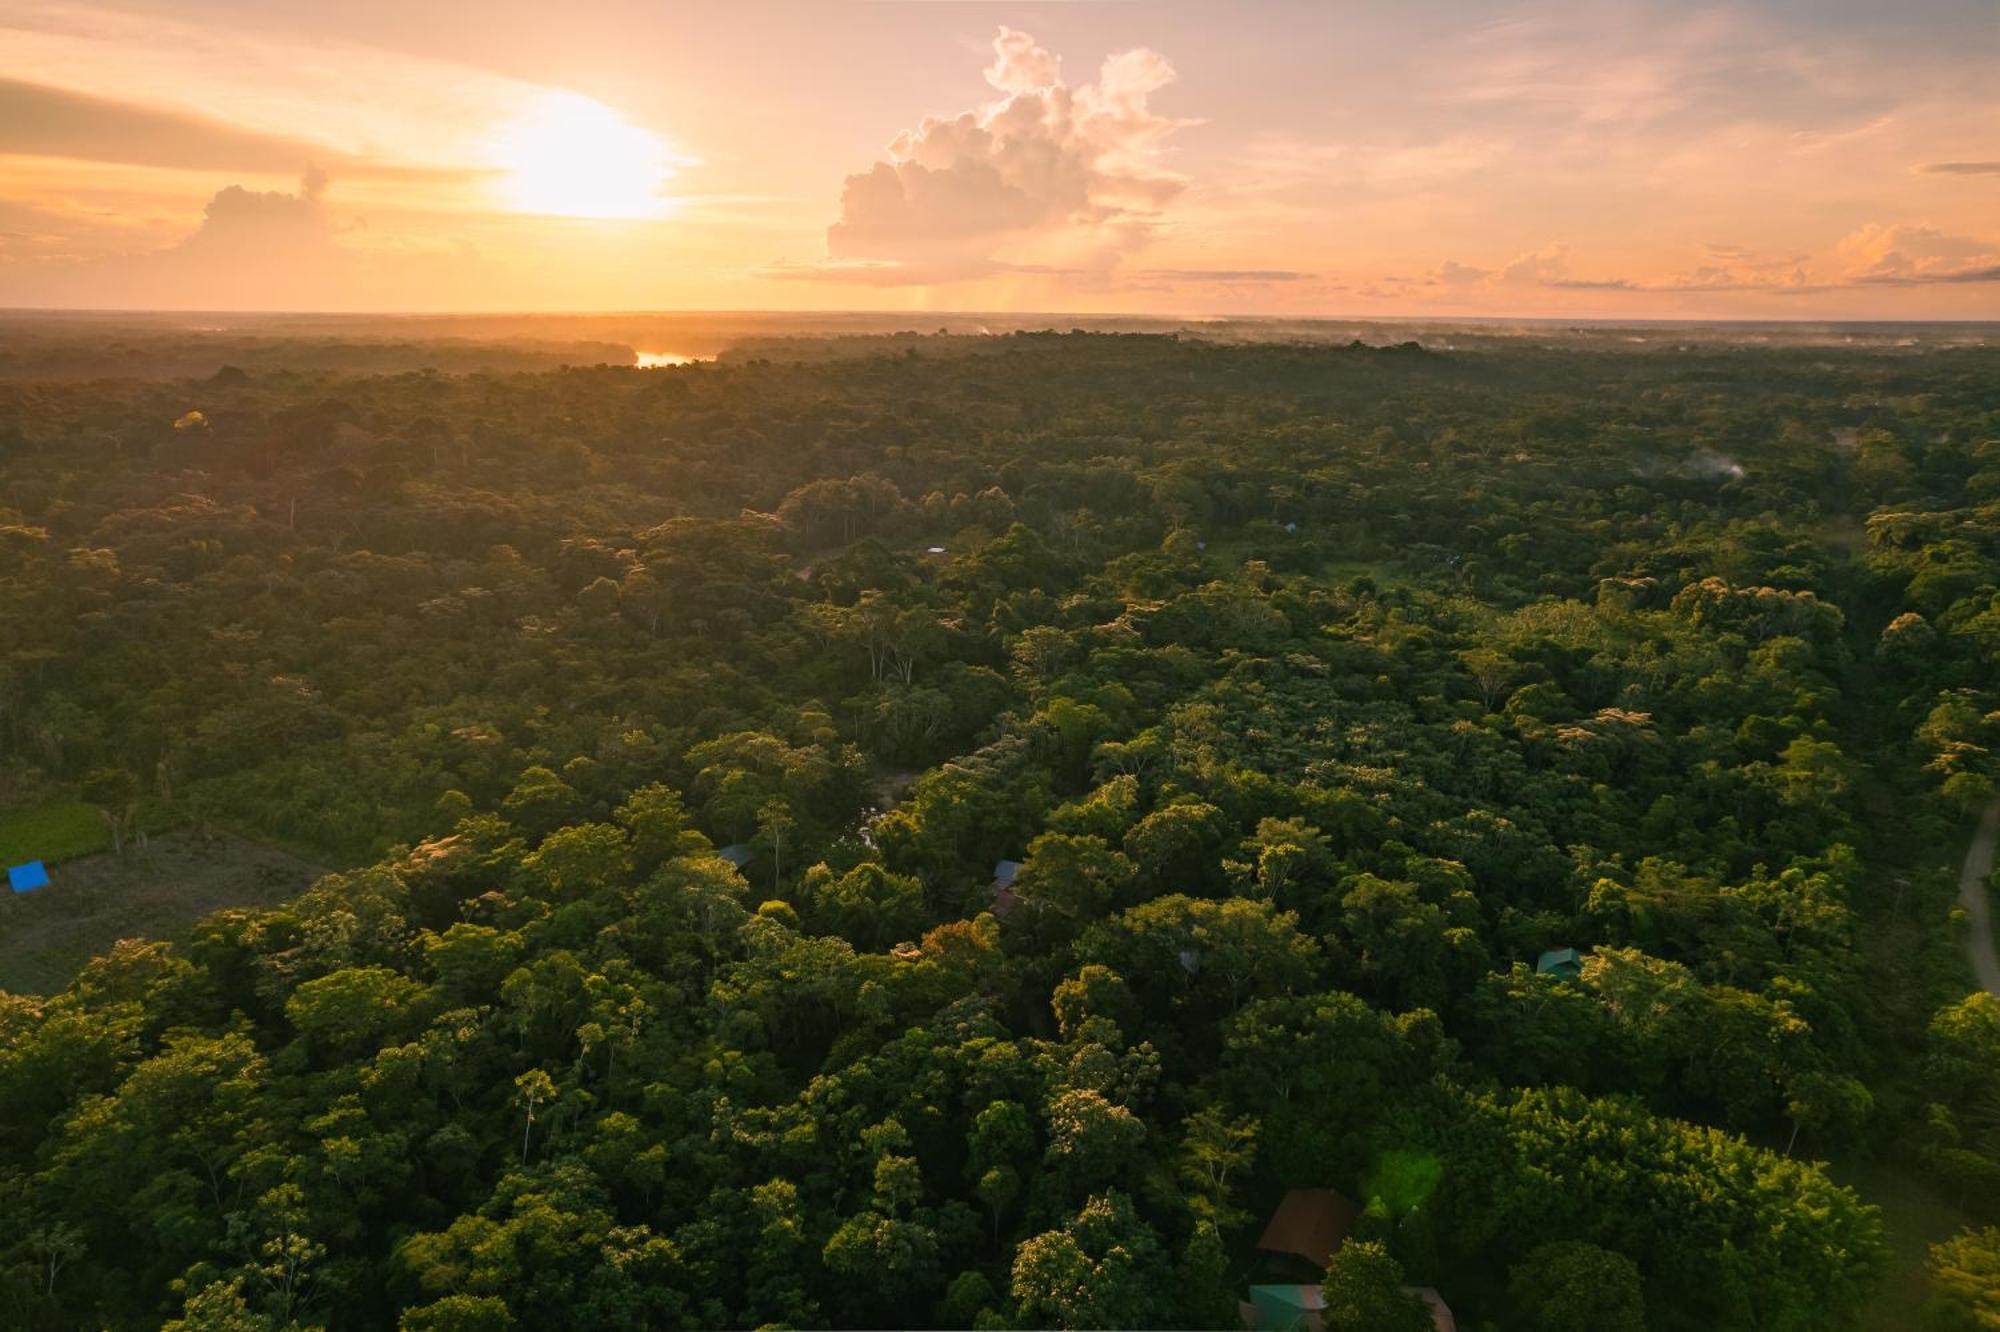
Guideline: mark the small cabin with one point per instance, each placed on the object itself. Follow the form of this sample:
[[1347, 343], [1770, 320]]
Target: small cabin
[[737, 854], [1282, 1308], [1562, 963], [1310, 1223]]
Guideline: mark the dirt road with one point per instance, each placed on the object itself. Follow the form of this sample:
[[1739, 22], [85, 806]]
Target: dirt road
[[1975, 898]]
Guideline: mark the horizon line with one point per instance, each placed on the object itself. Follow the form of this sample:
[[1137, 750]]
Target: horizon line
[[16, 311]]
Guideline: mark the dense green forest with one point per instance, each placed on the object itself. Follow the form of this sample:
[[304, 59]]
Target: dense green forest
[[1318, 693]]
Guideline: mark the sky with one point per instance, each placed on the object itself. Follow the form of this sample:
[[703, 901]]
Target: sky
[[1809, 159]]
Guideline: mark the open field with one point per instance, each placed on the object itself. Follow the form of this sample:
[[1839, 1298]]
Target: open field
[[1914, 1217], [155, 892], [53, 831]]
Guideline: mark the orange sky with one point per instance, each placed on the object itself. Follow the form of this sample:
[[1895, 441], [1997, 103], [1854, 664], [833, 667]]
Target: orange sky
[[1789, 158]]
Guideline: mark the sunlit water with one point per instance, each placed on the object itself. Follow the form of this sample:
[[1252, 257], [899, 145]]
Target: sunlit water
[[661, 360]]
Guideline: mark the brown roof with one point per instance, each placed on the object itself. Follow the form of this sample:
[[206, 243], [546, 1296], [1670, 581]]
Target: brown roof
[[1312, 1223]]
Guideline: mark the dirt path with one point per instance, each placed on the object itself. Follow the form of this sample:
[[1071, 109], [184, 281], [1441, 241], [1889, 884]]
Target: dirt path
[[1976, 899]]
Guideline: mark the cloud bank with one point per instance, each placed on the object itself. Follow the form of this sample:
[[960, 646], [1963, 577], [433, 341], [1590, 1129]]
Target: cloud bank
[[1908, 256], [253, 250], [54, 122], [348, 102], [1049, 177], [1898, 254]]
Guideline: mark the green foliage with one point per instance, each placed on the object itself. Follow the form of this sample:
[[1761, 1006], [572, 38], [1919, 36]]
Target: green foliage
[[1364, 1293], [1571, 1282], [1101, 1268], [1317, 690], [1403, 1180], [1966, 1272], [54, 831]]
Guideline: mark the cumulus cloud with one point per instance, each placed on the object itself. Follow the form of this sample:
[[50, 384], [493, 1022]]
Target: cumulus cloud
[[1451, 273], [1538, 267], [1741, 269], [251, 246], [1048, 175], [1902, 254], [254, 249], [253, 227], [1899, 254], [1547, 267]]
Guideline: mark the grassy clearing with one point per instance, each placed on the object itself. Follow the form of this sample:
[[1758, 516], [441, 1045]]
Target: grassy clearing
[[1230, 552], [55, 830], [59, 830], [1384, 574], [154, 892], [1915, 1218]]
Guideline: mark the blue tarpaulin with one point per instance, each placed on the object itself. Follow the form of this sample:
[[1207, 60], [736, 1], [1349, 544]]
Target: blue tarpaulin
[[26, 878]]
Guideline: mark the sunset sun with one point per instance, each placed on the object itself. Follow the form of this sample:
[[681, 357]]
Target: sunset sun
[[570, 156]]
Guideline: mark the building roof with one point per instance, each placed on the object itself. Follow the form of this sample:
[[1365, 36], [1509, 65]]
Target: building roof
[[1004, 873], [1312, 1223], [25, 878], [1441, 1317], [737, 854], [1282, 1308], [1560, 959], [1289, 1308]]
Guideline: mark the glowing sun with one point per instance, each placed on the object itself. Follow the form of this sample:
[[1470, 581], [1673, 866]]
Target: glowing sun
[[574, 157]]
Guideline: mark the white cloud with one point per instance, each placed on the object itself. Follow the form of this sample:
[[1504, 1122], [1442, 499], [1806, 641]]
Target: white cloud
[[1904, 254], [254, 249], [1538, 268], [1899, 254], [1454, 274], [1049, 176]]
